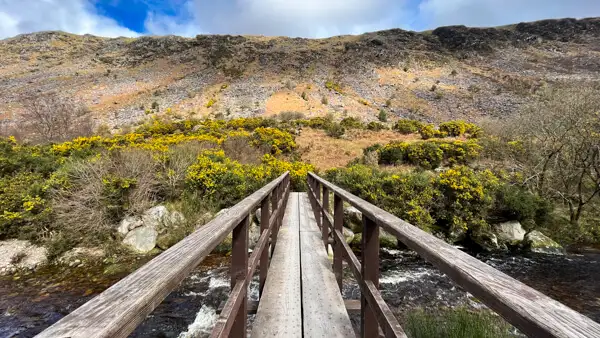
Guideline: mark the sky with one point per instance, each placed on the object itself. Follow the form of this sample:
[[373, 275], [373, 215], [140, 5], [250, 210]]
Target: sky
[[295, 18]]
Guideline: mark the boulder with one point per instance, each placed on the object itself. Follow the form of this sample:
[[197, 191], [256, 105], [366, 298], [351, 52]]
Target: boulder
[[142, 239], [129, 223], [348, 235], [166, 240], [176, 218], [253, 235], [257, 216], [536, 241], [510, 232], [353, 219], [488, 241], [16, 254], [156, 216], [387, 240], [81, 255]]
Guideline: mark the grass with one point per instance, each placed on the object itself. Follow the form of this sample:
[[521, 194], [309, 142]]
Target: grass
[[456, 323]]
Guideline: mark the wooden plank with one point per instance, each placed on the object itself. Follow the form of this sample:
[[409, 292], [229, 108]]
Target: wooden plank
[[117, 311], [338, 214], [280, 309], [532, 312], [323, 309]]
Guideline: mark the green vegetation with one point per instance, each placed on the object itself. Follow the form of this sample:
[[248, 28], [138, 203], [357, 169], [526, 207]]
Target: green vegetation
[[456, 323], [331, 85], [76, 192], [383, 116], [407, 126]]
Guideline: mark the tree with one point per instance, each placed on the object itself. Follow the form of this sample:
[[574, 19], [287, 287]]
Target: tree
[[51, 118], [556, 144]]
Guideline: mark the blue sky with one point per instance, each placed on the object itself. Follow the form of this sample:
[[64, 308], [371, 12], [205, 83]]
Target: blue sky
[[304, 18]]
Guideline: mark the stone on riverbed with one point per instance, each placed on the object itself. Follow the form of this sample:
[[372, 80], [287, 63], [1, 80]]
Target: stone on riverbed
[[353, 219], [142, 239], [540, 243], [510, 232], [16, 254]]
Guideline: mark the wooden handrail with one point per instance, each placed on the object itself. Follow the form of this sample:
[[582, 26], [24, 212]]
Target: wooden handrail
[[117, 311], [532, 312]]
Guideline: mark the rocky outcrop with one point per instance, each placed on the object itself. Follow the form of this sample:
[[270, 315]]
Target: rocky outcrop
[[17, 255], [536, 241]]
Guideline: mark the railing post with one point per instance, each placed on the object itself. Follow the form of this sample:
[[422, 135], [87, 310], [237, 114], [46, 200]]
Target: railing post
[[265, 216], [338, 224], [317, 191], [370, 272], [274, 201], [324, 221], [239, 269]]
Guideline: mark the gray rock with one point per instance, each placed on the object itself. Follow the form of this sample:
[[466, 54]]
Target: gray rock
[[488, 241], [348, 235], [511, 232], [257, 216], [142, 239], [353, 219], [17, 254], [156, 216], [540, 243], [253, 235], [129, 223], [176, 218]]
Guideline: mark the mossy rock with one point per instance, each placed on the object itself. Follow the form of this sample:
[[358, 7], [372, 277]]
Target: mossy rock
[[536, 241], [385, 241], [166, 241]]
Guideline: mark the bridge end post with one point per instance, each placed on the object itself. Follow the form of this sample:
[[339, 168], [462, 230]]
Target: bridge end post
[[370, 272]]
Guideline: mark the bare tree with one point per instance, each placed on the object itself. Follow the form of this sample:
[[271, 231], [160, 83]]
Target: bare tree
[[558, 146], [52, 118]]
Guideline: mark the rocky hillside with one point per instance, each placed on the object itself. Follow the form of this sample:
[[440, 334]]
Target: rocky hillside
[[448, 73]]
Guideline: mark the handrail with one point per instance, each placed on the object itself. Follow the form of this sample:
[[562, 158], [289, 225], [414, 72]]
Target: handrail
[[532, 312], [117, 311]]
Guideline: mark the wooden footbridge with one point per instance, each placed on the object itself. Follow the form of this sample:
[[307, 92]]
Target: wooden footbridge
[[299, 286]]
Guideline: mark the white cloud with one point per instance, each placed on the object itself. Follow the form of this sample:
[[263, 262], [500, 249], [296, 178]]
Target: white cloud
[[486, 13], [306, 18], [73, 16]]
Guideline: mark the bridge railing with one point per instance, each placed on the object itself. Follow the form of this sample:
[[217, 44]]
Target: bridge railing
[[117, 311], [532, 312]]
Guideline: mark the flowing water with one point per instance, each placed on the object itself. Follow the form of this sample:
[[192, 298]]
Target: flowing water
[[34, 302]]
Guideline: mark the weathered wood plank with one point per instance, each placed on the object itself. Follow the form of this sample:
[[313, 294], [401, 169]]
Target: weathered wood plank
[[532, 312], [324, 312], [280, 309], [117, 311]]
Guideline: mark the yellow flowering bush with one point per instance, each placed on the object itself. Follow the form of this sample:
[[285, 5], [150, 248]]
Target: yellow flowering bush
[[429, 154], [279, 141]]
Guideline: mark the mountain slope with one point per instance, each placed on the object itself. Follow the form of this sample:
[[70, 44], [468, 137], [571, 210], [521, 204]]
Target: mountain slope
[[451, 72]]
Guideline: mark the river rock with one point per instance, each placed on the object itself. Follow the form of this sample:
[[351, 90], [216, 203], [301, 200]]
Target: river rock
[[348, 235], [510, 232], [353, 219], [540, 243], [253, 235], [257, 215], [386, 240], [129, 223], [142, 239], [16, 254], [488, 241], [156, 216], [80, 254]]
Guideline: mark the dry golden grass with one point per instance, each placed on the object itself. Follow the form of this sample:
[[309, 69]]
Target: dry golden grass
[[326, 152]]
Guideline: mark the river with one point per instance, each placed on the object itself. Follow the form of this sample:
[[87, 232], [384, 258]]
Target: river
[[35, 301]]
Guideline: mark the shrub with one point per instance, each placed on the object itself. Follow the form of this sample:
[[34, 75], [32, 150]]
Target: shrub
[[333, 86], [324, 100], [383, 116], [393, 153], [454, 72], [279, 141], [454, 128], [211, 103], [155, 105], [407, 126], [427, 155], [427, 131], [363, 102], [515, 203], [376, 126], [351, 123], [304, 96], [336, 130]]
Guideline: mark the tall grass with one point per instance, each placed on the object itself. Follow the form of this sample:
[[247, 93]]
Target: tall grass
[[456, 323]]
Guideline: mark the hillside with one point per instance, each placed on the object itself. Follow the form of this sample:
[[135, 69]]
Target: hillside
[[448, 73]]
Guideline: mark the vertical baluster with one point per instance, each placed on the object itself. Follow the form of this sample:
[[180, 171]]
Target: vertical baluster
[[274, 201], [318, 199], [324, 221], [338, 224], [370, 272], [239, 269], [265, 215]]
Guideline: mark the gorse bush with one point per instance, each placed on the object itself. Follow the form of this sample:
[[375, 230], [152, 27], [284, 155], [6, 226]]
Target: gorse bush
[[376, 126], [351, 123], [429, 154], [407, 126]]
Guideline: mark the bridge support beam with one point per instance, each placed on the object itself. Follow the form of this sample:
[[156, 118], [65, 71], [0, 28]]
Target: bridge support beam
[[370, 272]]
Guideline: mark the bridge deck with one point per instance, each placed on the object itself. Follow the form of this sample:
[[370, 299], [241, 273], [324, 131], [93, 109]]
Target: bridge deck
[[301, 297]]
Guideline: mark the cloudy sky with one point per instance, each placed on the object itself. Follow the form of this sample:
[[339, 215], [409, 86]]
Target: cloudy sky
[[304, 18]]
